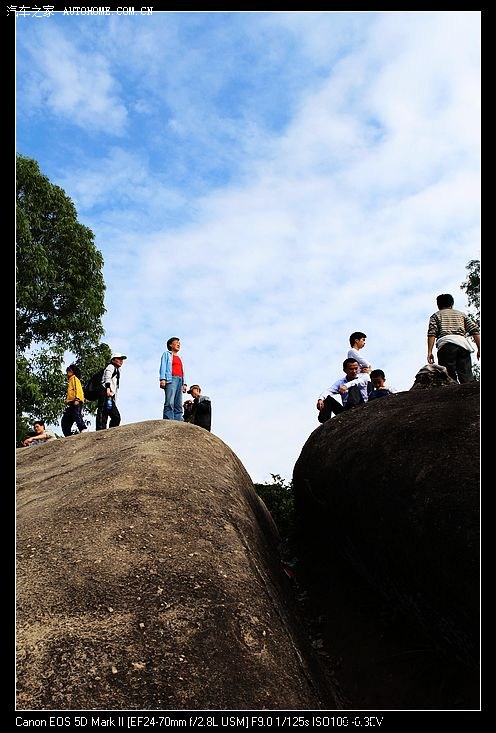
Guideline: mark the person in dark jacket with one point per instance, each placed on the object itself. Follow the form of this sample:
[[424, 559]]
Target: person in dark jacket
[[378, 380], [198, 411]]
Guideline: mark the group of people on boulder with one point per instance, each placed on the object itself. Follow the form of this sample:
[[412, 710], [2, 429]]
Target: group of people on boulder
[[447, 330], [197, 411], [360, 383]]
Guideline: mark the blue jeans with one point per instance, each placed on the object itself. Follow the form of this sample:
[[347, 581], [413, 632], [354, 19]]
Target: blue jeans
[[173, 405]]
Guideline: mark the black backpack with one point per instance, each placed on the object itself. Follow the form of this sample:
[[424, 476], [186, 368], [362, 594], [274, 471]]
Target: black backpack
[[93, 387]]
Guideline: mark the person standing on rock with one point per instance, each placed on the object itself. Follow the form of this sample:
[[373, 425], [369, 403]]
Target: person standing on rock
[[108, 394], [448, 329], [171, 376], [74, 402], [353, 389]]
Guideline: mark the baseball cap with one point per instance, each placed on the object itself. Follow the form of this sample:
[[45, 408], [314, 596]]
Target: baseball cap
[[118, 356], [192, 386]]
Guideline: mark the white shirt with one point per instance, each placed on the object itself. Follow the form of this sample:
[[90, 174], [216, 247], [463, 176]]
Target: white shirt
[[355, 354], [361, 381]]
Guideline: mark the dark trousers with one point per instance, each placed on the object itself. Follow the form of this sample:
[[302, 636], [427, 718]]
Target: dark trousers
[[103, 414], [457, 361], [73, 414], [330, 406]]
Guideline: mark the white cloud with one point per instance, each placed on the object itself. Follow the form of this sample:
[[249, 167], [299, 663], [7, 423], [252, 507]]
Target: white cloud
[[75, 84]]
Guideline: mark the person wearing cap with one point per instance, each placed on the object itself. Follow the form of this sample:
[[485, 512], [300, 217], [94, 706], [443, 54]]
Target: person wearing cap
[[198, 411], [171, 375], [110, 387]]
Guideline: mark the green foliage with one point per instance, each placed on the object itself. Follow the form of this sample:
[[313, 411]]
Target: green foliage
[[279, 500], [471, 286], [59, 296]]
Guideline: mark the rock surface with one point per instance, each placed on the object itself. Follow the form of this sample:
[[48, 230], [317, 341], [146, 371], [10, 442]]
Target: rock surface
[[388, 500], [147, 579]]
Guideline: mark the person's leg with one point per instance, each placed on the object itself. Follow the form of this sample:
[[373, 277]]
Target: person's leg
[[67, 421], [101, 413], [446, 357], [115, 416], [464, 365], [78, 416], [178, 399], [330, 406], [170, 395]]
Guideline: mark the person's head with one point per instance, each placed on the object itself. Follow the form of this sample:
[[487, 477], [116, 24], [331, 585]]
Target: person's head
[[194, 390], [357, 340], [118, 359], [73, 369], [351, 368], [378, 378], [39, 426], [445, 300], [174, 344]]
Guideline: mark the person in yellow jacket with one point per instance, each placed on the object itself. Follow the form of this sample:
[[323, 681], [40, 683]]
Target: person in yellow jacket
[[74, 400]]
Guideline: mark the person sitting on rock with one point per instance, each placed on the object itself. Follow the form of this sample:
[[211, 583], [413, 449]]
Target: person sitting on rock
[[378, 379], [352, 388], [40, 435], [198, 411]]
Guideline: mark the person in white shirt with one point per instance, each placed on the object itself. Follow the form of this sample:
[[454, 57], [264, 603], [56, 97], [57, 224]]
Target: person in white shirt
[[352, 388], [107, 407], [357, 342]]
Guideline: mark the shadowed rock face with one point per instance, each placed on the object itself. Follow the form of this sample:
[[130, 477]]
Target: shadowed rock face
[[147, 578], [387, 496]]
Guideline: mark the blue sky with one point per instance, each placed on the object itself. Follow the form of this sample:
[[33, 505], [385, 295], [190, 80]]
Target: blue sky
[[261, 184]]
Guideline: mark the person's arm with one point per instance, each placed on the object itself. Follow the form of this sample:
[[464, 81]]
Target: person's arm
[[40, 436], [79, 391], [430, 345], [164, 361], [73, 388], [106, 380], [360, 381], [433, 331], [476, 337], [333, 389]]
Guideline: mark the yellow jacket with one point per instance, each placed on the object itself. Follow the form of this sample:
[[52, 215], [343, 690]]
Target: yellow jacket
[[74, 390]]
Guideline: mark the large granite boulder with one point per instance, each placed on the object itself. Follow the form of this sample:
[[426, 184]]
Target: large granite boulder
[[387, 502], [148, 578]]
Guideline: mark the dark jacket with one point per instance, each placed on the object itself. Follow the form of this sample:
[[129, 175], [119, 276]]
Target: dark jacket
[[199, 412]]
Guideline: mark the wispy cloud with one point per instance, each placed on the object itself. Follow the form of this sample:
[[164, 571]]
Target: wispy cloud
[[71, 83]]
